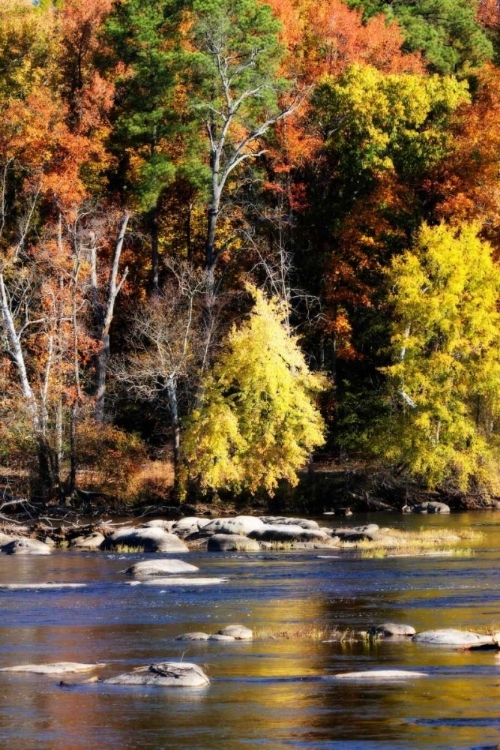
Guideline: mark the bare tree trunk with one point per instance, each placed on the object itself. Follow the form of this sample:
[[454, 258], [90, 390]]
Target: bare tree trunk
[[16, 353], [174, 411], [155, 258], [105, 313]]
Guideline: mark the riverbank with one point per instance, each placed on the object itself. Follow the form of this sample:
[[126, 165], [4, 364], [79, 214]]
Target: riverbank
[[242, 533]]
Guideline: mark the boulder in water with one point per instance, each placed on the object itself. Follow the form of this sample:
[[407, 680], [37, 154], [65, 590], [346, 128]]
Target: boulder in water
[[26, 546], [166, 674], [238, 632], [147, 568]]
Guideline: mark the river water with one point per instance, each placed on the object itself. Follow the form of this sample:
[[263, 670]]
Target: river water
[[266, 694]]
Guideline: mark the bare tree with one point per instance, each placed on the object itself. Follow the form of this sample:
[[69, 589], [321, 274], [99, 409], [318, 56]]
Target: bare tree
[[167, 348]]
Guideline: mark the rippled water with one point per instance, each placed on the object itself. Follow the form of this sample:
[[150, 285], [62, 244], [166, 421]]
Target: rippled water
[[267, 694]]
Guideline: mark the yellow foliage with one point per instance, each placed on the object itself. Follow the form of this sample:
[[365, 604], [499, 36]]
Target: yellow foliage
[[446, 353], [257, 421], [392, 117]]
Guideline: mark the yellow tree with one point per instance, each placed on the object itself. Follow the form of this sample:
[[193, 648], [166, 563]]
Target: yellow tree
[[445, 376], [257, 421]]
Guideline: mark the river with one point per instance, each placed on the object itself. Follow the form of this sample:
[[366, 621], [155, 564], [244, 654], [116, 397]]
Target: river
[[266, 694]]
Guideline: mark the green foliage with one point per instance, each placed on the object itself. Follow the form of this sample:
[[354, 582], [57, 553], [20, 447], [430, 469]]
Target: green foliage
[[446, 31], [445, 376], [257, 421], [143, 36], [377, 122], [237, 51]]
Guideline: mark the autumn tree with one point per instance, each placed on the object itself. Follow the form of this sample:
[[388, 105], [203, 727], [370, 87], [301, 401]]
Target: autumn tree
[[464, 186], [237, 91], [165, 355], [382, 135], [257, 421], [446, 31], [445, 376]]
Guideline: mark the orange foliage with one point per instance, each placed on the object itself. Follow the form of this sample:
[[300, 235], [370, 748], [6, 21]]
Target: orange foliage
[[325, 36], [90, 96], [466, 183], [488, 13]]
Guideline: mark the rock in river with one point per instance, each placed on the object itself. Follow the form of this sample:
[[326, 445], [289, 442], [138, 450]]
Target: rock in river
[[178, 581], [288, 533], [379, 674], [451, 637], [431, 507], [242, 525], [196, 636], [238, 632], [148, 568], [25, 546], [166, 674], [151, 539], [60, 667], [90, 541]]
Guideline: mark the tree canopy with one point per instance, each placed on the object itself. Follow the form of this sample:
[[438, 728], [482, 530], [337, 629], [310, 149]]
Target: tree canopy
[[340, 157], [445, 376], [257, 421]]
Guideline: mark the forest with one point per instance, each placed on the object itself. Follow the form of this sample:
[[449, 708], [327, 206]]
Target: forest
[[239, 237]]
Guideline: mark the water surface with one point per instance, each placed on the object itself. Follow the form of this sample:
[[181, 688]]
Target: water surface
[[267, 694]]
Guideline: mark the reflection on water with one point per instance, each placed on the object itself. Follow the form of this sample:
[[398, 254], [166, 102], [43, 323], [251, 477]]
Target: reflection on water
[[271, 694]]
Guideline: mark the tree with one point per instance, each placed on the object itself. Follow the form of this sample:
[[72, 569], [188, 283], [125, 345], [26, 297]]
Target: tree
[[143, 36], [382, 136], [256, 422], [464, 186], [446, 31], [236, 92], [165, 357], [445, 376]]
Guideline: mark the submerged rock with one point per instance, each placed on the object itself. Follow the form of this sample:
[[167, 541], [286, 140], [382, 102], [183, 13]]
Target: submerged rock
[[451, 637], [197, 636], [178, 581], [38, 586], [221, 637], [60, 667], [166, 674], [380, 674], [148, 568]]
